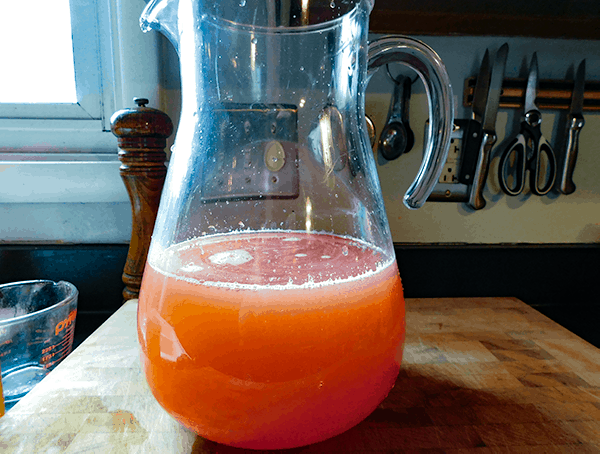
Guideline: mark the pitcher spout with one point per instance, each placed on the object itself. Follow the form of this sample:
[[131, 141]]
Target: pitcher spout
[[161, 15]]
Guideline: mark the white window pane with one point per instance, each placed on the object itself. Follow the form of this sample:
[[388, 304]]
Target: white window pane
[[37, 52]]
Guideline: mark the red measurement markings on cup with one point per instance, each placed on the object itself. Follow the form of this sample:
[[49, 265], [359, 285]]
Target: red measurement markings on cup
[[66, 322], [5, 345], [62, 348], [46, 355]]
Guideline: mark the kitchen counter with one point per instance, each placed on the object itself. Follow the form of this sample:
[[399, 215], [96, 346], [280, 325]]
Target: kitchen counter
[[477, 372]]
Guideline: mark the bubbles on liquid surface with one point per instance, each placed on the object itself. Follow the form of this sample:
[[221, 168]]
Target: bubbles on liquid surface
[[254, 40], [332, 5], [243, 3], [307, 261], [191, 268], [236, 257]]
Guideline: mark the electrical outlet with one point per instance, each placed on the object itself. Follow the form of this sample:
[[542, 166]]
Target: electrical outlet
[[448, 187], [450, 172]]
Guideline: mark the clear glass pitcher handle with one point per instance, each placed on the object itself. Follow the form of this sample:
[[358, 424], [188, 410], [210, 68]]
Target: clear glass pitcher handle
[[431, 70]]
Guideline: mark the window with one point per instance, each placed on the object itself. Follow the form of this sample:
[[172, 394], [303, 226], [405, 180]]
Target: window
[[41, 126], [57, 153], [51, 57]]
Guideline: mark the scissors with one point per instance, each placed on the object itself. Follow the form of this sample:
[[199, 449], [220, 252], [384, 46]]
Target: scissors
[[529, 150]]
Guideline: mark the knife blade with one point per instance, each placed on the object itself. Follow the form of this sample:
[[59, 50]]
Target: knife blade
[[575, 123], [471, 138], [476, 200], [482, 85]]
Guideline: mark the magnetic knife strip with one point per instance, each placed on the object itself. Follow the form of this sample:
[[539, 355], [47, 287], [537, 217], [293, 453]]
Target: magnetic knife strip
[[552, 94]]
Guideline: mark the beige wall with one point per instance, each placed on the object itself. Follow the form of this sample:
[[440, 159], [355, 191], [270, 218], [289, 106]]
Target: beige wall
[[523, 219]]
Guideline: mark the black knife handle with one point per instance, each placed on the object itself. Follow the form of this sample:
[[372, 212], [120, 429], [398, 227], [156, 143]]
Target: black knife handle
[[472, 139], [476, 200], [566, 184]]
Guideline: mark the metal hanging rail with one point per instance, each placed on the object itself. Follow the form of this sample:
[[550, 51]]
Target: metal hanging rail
[[552, 94]]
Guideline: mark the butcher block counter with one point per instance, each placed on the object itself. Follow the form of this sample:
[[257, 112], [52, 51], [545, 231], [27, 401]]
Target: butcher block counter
[[480, 375]]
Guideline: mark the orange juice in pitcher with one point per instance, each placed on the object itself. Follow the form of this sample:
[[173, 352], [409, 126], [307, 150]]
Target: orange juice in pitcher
[[307, 342], [1, 396]]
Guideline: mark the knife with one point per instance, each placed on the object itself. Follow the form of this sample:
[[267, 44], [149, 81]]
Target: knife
[[472, 128], [575, 123], [466, 143], [476, 200]]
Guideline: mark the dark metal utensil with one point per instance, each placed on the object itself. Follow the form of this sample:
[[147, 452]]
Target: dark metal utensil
[[455, 186], [473, 138], [472, 128], [575, 123], [396, 137], [529, 149], [476, 200]]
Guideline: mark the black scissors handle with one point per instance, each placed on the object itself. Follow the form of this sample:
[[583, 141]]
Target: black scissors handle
[[542, 177], [518, 149], [531, 152]]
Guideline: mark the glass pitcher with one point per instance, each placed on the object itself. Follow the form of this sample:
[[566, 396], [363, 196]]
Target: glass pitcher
[[271, 312]]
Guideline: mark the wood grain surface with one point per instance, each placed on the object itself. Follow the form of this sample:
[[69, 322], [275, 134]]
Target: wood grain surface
[[480, 375]]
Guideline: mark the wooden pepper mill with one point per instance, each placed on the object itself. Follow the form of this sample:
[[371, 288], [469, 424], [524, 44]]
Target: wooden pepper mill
[[142, 133]]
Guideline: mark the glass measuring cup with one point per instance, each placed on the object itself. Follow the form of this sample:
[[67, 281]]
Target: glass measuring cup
[[37, 325]]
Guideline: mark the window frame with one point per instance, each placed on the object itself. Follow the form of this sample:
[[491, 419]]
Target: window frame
[[45, 149]]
